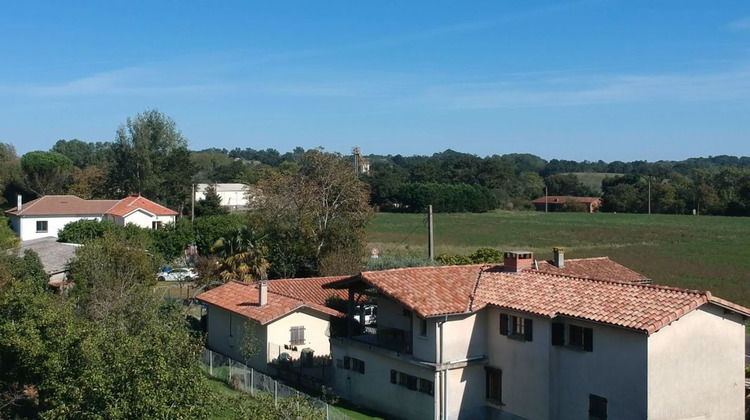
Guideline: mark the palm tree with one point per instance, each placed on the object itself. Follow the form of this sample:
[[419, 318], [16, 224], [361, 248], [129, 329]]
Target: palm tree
[[242, 256]]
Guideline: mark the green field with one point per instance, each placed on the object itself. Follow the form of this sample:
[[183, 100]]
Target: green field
[[593, 180], [695, 252]]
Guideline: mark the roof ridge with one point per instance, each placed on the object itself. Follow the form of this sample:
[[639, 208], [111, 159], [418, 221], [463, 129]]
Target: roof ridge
[[627, 284], [428, 267]]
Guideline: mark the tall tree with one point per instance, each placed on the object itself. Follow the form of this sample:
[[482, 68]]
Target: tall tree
[[151, 157], [242, 256], [317, 208], [46, 172]]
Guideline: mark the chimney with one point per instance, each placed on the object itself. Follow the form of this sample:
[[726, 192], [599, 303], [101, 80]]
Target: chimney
[[20, 203], [263, 293], [559, 257], [517, 261]]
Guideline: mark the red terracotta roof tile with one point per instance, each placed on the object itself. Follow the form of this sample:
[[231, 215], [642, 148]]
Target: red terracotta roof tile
[[601, 268], [617, 300], [62, 205], [243, 299], [309, 290], [129, 204]]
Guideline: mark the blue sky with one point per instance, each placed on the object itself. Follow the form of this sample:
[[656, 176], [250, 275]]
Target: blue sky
[[612, 80]]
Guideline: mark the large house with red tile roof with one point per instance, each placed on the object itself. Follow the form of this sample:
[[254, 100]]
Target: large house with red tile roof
[[45, 216], [286, 316], [582, 338]]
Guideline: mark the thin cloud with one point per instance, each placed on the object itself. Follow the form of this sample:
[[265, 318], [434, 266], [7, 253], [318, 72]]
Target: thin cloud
[[591, 90], [740, 25]]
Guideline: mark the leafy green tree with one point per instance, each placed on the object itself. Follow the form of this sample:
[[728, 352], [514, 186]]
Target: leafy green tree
[[171, 241], [315, 209], [210, 204], [46, 172], [83, 231], [151, 157], [10, 169], [79, 152], [109, 269], [209, 229]]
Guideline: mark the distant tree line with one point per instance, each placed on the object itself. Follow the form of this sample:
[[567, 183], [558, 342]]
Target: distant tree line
[[149, 155]]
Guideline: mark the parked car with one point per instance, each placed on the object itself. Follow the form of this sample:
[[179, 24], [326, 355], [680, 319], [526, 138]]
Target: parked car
[[371, 314], [177, 274]]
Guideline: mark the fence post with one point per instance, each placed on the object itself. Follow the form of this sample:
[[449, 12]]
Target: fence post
[[252, 381], [327, 415], [276, 394], [229, 379], [211, 363]]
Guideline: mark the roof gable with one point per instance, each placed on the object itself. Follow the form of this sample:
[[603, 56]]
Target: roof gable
[[127, 205], [243, 299]]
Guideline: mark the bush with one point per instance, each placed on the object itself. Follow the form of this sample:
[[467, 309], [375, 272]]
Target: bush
[[82, 231]]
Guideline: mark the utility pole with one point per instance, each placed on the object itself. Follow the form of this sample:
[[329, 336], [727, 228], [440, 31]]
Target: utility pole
[[192, 205], [546, 194], [430, 241], [649, 196]]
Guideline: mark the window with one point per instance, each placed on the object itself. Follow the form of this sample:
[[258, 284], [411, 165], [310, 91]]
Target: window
[[516, 327], [358, 365], [41, 226], [297, 335], [494, 384], [347, 362], [577, 337], [423, 327], [411, 382], [394, 377], [402, 378], [428, 387], [597, 407], [156, 225]]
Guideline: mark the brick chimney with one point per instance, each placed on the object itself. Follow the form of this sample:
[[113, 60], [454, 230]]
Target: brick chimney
[[263, 293], [19, 206], [517, 261], [559, 257]]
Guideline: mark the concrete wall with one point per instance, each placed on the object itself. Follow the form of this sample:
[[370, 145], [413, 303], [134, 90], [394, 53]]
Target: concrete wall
[[391, 315], [316, 328], [466, 394], [616, 369], [464, 336], [374, 389], [524, 364], [27, 225], [143, 219], [228, 198], [219, 338], [696, 367]]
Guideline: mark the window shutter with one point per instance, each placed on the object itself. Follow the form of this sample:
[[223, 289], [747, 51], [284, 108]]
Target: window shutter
[[347, 362], [588, 339], [558, 334], [361, 366], [528, 329], [503, 324], [394, 376]]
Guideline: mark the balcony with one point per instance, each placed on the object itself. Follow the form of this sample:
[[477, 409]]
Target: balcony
[[386, 338]]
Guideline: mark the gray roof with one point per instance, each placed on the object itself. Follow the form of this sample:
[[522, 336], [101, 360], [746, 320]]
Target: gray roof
[[55, 255]]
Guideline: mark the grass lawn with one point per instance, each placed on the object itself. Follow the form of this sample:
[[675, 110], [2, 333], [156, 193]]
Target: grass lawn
[[695, 252]]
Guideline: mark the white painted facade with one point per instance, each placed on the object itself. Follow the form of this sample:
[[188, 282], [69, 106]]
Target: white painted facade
[[141, 218], [26, 226], [690, 369], [226, 333], [232, 194]]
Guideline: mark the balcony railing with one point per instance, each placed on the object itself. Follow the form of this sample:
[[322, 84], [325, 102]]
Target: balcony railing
[[387, 338]]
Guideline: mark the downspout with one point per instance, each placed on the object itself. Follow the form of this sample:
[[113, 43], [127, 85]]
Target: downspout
[[444, 373]]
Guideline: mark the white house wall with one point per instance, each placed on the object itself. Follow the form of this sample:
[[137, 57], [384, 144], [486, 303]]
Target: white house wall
[[143, 219], [524, 364], [221, 341], [696, 367], [616, 369], [27, 225], [374, 388], [316, 333], [391, 315]]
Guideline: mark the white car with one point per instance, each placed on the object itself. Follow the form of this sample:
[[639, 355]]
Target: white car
[[177, 274]]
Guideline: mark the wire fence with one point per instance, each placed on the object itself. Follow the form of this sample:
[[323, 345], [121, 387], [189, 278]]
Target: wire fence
[[250, 381]]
